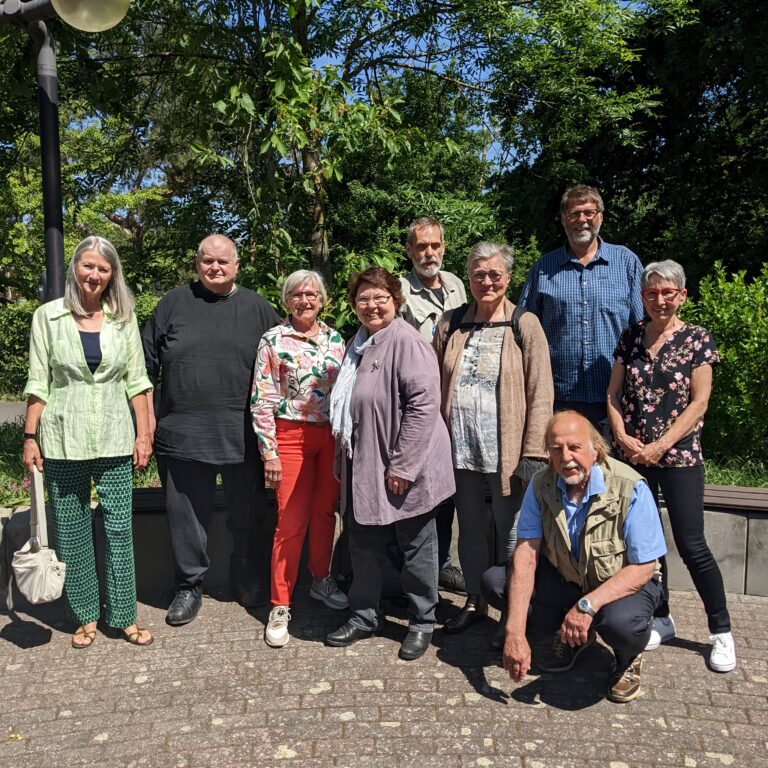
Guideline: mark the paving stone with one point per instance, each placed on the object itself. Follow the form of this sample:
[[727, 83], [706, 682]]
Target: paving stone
[[201, 696]]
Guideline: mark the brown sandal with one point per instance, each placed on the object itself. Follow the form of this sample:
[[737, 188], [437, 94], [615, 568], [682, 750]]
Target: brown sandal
[[133, 637], [89, 635]]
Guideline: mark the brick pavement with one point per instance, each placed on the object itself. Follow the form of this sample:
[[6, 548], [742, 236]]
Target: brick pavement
[[213, 694]]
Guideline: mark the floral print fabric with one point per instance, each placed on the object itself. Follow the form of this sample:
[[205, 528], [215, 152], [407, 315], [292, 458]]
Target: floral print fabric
[[657, 390], [293, 376]]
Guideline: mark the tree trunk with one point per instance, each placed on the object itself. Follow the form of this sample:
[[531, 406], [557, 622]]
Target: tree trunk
[[320, 255]]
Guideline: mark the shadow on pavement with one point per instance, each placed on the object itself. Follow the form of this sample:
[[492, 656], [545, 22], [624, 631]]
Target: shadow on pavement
[[25, 634]]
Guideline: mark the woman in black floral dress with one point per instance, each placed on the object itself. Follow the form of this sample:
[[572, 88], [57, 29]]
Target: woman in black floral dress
[[658, 395]]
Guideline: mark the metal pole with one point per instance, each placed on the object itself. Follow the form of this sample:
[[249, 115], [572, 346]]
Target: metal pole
[[50, 155]]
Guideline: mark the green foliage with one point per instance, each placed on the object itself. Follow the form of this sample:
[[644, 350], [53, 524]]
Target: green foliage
[[14, 481], [735, 311], [752, 474], [145, 304], [15, 322]]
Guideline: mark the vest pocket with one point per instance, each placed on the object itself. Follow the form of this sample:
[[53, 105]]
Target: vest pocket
[[607, 558]]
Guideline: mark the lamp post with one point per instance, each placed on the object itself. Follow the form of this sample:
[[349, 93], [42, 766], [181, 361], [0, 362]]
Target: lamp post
[[87, 16]]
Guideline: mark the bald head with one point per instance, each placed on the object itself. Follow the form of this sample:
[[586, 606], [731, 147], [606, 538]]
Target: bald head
[[574, 445], [217, 263]]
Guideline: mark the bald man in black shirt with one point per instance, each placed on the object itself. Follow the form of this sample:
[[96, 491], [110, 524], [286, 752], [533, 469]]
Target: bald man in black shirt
[[200, 343]]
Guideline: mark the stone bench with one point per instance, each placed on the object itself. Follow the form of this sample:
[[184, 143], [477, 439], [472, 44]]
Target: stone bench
[[736, 526]]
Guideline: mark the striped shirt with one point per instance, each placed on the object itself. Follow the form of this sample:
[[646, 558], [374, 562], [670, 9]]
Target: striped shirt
[[583, 310], [86, 415]]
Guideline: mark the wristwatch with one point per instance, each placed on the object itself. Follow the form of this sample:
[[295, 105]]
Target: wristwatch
[[585, 606], [29, 436]]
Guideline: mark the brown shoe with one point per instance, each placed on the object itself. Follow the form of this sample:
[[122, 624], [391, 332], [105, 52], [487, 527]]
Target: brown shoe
[[626, 685]]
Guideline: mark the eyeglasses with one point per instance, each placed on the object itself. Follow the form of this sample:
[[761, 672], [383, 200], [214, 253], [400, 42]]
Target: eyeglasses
[[310, 296], [576, 215], [479, 276], [667, 294], [379, 301]]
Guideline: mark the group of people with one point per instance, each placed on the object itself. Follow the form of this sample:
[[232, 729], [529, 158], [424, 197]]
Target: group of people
[[433, 405]]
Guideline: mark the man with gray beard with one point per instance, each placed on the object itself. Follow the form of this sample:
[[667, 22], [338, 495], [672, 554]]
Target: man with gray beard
[[586, 561], [429, 292], [584, 293]]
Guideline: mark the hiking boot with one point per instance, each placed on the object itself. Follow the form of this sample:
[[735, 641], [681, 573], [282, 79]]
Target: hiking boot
[[327, 591], [626, 685], [723, 655], [559, 656], [662, 631], [276, 632]]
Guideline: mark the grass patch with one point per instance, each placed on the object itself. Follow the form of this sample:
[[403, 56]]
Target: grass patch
[[753, 474]]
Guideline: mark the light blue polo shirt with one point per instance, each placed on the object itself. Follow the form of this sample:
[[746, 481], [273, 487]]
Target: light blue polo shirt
[[642, 528]]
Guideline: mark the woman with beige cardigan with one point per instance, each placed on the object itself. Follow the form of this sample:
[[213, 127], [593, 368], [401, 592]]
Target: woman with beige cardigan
[[497, 397]]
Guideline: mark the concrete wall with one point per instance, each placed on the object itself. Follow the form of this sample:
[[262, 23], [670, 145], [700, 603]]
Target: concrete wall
[[739, 542]]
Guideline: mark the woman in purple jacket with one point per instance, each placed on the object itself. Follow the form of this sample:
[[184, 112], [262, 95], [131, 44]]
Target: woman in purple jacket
[[395, 460]]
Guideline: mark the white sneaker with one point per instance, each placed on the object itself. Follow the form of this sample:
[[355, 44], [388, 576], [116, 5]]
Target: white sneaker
[[662, 630], [276, 632], [723, 655], [327, 591]]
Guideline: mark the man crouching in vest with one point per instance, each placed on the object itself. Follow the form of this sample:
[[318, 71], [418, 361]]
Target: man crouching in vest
[[595, 522]]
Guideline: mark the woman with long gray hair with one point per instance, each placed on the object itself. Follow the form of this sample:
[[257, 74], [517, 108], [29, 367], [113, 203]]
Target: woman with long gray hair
[[85, 365]]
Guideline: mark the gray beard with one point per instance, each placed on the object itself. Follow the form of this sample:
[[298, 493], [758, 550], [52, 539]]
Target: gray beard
[[577, 480], [586, 236], [426, 271]]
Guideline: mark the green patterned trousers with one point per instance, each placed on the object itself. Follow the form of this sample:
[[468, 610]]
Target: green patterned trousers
[[69, 491]]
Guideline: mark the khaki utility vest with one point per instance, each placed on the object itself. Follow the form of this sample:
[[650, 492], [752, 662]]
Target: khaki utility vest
[[602, 549]]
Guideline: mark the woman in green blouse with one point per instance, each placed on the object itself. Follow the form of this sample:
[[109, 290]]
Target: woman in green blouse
[[85, 364]]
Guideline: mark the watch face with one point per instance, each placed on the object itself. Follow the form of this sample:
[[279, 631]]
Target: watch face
[[584, 605]]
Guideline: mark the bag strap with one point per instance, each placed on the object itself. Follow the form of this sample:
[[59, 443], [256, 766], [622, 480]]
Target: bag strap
[[458, 315], [38, 523]]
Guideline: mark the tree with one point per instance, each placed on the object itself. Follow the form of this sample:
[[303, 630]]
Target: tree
[[247, 117]]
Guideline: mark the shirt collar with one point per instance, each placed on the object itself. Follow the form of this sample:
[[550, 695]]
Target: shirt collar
[[62, 311], [567, 254], [418, 287], [286, 329], [595, 483]]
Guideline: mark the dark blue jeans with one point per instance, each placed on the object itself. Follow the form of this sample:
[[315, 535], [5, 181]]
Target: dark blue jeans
[[683, 491]]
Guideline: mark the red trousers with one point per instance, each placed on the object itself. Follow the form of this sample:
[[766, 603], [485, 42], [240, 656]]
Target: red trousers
[[306, 497]]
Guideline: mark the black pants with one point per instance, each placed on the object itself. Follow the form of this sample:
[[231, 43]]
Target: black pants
[[445, 513], [683, 490], [190, 488], [624, 624]]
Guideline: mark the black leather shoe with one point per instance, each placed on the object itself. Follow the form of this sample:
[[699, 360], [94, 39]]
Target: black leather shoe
[[471, 613], [185, 605], [347, 634], [415, 644], [244, 582], [451, 579]]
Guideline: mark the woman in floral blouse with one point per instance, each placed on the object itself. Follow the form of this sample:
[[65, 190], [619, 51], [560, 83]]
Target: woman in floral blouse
[[658, 395], [296, 365]]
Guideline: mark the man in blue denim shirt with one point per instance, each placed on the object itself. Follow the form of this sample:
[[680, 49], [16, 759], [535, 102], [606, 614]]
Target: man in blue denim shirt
[[584, 294]]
